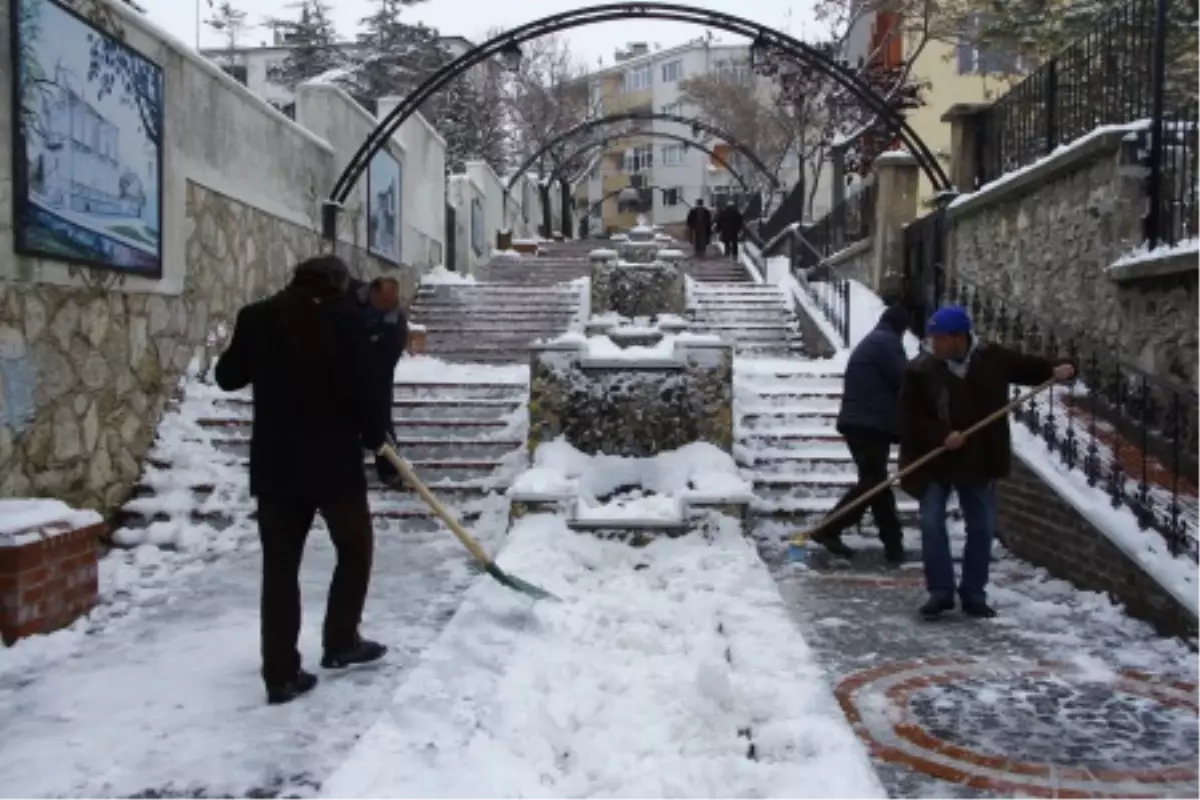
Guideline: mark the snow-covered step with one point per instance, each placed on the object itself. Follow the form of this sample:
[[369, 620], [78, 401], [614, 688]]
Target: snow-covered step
[[820, 504], [414, 449], [460, 409], [460, 391], [815, 407]]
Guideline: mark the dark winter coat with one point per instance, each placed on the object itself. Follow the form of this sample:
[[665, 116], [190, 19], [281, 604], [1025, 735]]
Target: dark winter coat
[[387, 334], [934, 402], [871, 388], [729, 223], [700, 221], [303, 351]]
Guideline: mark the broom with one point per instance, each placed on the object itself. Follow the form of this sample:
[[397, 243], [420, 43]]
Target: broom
[[456, 527], [799, 544]]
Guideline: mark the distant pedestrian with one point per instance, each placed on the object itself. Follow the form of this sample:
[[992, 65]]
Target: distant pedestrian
[[700, 223], [303, 351], [729, 227], [869, 421], [945, 392], [387, 330]]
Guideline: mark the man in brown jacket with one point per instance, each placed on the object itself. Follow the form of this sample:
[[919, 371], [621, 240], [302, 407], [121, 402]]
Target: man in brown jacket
[[943, 393]]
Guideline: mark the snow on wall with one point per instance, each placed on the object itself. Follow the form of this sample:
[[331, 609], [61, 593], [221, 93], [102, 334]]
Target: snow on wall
[[424, 208]]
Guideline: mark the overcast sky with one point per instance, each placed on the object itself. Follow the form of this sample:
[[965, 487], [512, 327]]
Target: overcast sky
[[472, 18]]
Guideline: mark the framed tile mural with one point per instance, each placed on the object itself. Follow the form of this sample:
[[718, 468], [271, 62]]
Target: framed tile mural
[[384, 193], [87, 144], [477, 243]]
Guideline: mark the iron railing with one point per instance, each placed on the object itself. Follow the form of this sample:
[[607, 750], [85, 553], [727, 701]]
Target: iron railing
[[790, 211], [848, 222], [1172, 209], [924, 268], [831, 293], [1119, 428], [1105, 78]]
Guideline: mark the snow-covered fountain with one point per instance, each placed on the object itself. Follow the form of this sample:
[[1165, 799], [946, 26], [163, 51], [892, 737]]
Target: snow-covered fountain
[[627, 398]]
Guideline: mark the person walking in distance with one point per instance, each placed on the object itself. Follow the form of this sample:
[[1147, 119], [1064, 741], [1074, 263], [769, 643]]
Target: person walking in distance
[[303, 351], [869, 421], [387, 331], [729, 227], [945, 391], [700, 223]]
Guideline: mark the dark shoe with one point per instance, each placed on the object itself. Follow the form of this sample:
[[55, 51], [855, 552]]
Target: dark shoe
[[834, 544], [364, 651], [936, 606], [893, 553], [978, 609], [303, 683]]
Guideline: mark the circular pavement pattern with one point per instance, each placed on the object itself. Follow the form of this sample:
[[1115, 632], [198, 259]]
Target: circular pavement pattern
[[1033, 729]]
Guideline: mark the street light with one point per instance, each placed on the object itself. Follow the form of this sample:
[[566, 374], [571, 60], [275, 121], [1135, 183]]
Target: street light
[[760, 52], [510, 56], [629, 195]]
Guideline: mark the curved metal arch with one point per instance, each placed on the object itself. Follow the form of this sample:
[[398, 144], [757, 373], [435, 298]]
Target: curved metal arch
[[612, 12], [643, 116], [601, 142]]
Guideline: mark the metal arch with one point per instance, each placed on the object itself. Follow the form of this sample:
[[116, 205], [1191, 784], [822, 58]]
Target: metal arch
[[650, 135], [611, 12], [643, 116]]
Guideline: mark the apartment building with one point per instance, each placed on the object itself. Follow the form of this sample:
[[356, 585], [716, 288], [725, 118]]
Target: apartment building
[[668, 176], [954, 73], [252, 66]]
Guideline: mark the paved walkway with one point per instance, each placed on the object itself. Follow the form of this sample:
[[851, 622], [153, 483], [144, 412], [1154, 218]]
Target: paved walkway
[[1061, 696]]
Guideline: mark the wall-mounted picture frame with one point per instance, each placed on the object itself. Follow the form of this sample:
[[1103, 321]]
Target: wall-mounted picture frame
[[477, 239], [385, 193], [87, 144]]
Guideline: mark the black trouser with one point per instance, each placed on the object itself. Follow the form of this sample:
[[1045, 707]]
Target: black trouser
[[731, 248], [870, 450], [283, 526], [700, 242]]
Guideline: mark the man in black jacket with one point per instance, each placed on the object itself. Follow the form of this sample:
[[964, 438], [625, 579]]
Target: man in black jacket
[[699, 223], [303, 351], [729, 226], [387, 330], [869, 420]]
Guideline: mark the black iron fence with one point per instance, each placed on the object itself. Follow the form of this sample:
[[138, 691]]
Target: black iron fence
[[848, 222], [831, 294], [1137, 66], [924, 267], [790, 211], [1117, 428]]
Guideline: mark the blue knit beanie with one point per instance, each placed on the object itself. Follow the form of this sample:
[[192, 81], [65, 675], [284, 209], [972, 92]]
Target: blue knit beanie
[[949, 321]]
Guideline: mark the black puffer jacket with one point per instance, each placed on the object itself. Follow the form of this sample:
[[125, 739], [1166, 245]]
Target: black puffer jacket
[[871, 391]]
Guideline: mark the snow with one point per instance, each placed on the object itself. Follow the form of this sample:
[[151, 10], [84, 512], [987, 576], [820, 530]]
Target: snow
[[604, 348], [441, 275], [747, 256], [21, 519], [1143, 255], [636, 685], [1054, 155], [506, 255], [696, 471], [602, 254], [636, 508]]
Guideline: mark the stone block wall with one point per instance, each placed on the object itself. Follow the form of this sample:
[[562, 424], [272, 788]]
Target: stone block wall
[[90, 359], [637, 290], [1044, 242], [639, 409], [1040, 527]]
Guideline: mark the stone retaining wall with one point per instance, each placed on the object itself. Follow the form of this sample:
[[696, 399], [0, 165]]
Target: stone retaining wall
[[637, 290]]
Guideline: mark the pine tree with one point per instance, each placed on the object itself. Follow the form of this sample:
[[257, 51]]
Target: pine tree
[[229, 21], [313, 46]]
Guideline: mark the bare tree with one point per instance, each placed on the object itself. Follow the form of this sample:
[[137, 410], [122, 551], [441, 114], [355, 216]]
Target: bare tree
[[229, 21]]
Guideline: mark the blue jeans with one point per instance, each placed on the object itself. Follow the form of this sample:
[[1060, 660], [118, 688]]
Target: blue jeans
[[978, 504]]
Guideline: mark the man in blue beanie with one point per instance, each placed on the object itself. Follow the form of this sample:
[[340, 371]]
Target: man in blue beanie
[[945, 391], [869, 421]]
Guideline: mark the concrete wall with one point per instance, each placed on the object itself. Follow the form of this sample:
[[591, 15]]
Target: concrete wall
[[492, 189], [461, 191], [424, 219], [89, 359]]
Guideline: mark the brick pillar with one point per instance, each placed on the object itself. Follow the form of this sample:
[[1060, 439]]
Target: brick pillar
[[897, 187], [963, 144]]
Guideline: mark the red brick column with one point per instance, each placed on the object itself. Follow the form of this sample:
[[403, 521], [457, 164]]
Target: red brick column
[[48, 577]]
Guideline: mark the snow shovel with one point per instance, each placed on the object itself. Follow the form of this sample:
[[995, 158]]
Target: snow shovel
[[456, 527], [798, 545]]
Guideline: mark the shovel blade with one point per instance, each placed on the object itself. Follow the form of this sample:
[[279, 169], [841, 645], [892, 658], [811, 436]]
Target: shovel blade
[[516, 584]]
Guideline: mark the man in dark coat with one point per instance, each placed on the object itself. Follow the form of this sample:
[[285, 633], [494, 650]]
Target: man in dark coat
[[700, 223], [869, 421], [303, 351], [387, 330], [729, 226], [946, 391]]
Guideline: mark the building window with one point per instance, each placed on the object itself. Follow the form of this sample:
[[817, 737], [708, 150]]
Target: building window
[[672, 197], [672, 155], [672, 71], [732, 71], [635, 80], [235, 71], [975, 60], [639, 158]]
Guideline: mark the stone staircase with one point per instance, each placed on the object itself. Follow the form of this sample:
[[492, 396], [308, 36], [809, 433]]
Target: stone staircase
[[757, 318], [717, 269]]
